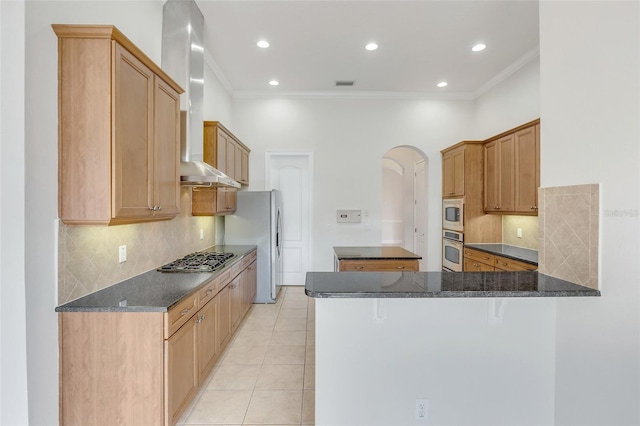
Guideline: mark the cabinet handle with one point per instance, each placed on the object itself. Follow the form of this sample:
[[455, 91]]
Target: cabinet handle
[[359, 267], [152, 208], [159, 208], [209, 291], [485, 258], [399, 267], [451, 193], [185, 312], [503, 263]]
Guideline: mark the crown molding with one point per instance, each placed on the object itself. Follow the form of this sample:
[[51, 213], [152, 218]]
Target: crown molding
[[508, 71]]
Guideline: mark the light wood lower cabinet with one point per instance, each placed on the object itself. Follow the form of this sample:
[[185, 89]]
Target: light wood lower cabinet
[[378, 265], [181, 350], [480, 261], [144, 368]]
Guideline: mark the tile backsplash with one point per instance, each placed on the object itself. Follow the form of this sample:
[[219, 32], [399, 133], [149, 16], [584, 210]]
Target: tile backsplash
[[568, 247], [529, 227], [88, 255]]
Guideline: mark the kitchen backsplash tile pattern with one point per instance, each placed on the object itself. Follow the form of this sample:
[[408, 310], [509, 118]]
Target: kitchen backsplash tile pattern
[[568, 247], [529, 226], [88, 255]]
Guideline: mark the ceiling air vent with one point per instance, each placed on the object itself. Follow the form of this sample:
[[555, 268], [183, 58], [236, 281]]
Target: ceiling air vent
[[344, 83]]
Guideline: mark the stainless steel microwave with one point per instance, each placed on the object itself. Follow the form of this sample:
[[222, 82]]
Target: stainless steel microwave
[[453, 214]]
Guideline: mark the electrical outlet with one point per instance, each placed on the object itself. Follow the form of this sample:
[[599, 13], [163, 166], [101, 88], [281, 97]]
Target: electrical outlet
[[122, 254], [202, 234], [422, 409], [519, 232]]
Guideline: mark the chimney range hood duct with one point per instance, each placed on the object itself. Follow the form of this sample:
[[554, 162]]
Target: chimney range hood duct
[[183, 60]]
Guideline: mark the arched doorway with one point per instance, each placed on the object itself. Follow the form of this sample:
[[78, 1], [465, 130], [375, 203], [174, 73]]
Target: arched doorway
[[404, 200]]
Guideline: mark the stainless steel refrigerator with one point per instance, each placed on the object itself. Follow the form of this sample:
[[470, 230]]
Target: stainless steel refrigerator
[[258, 221]]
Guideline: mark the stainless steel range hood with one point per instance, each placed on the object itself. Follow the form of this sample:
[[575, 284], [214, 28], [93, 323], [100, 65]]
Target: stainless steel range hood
[[183, 59]]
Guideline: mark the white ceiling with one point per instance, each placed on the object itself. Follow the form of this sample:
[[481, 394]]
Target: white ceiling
[[316, 43]]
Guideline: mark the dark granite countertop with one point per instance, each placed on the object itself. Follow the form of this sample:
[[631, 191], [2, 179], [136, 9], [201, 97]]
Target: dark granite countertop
[[374, 253], [152, 291], [440, 284], [513, 252]]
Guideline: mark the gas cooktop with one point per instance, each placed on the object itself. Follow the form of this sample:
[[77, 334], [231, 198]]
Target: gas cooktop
[[198, 262]]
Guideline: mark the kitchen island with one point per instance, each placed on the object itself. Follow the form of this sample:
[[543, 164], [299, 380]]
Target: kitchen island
[[480, 347], [374, 258]]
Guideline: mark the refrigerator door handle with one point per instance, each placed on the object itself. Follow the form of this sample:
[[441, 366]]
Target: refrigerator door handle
[[278, 227]]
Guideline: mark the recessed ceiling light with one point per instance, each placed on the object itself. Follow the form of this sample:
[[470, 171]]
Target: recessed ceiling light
[[263, 43], [478, 47], [274, 82], [443, 84], [371, 46]]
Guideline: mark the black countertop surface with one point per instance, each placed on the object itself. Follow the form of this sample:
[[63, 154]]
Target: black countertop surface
[[152, 291], [440, 284], [374, 253], [506, 250]]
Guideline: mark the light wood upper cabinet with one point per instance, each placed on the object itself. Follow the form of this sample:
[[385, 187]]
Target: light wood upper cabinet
[[225, 152], [118, 130], [453, 173], [213, 201], [499, 175], [527, 169], [512, 171]]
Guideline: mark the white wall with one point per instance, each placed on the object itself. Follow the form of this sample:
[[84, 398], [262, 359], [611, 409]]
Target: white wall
[[13, 337], [140, 21], [217, 101], [590, 110], [514, 101], [348, 138]]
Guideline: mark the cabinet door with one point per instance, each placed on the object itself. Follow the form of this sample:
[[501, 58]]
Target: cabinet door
[[207, 342], [453, 173], [238, 163], [252, 282], [166, 150], [226, 201], [471, 265], [221, 148], [231, 159], [506, 182], [132, 137], [181, 370], [527, 169], [244, 175], [491, 176], [236, 302], [224, 317]]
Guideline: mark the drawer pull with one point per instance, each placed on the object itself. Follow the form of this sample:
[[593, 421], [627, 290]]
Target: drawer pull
[[503, 263], [185, 312], [486, 258], [399, 267], [359, 267], [209, 291]]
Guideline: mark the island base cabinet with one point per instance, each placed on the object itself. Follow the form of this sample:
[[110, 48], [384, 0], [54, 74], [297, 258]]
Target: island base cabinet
[[111, 368]]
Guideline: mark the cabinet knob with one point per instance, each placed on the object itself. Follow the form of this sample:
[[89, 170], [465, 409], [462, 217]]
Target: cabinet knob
[[159, 208]]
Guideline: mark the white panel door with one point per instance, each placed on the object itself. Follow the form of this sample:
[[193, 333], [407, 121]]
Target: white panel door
[[291, 174], [420, 213]]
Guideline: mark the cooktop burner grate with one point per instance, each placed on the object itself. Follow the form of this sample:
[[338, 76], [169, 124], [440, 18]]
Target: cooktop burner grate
[[198, 262]]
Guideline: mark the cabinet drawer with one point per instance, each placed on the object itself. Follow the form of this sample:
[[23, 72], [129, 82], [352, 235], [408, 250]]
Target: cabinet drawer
[[471, 265], [180, 314], [507, 264], [378, 265], [479, 256], [250, 258], [208, 292]]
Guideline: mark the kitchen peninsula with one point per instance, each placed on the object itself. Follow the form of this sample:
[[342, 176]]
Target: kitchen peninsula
[[374, 258], [479, 346]]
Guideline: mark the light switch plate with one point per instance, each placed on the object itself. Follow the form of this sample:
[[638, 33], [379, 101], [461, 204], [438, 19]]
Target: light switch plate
[[349, 216]]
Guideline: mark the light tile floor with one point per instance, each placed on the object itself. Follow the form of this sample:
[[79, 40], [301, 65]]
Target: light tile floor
[[266, 374]]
